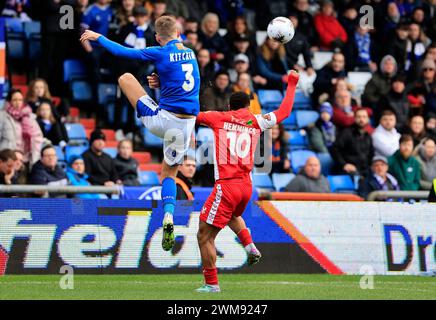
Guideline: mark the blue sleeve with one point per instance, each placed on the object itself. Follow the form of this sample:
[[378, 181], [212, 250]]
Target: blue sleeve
[[148, 54]]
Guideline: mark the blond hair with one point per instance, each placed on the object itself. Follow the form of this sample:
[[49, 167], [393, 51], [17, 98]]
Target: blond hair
[[268, 54], [31, 96], [166, 27]]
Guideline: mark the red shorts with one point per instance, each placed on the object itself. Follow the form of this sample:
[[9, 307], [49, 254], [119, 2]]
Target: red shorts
[[227, 199]]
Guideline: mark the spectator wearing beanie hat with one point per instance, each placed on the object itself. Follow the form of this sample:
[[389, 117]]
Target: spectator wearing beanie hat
[[77, 176], [99, 165], [323, 134]]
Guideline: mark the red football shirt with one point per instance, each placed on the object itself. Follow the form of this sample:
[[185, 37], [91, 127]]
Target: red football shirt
[[236, 134]]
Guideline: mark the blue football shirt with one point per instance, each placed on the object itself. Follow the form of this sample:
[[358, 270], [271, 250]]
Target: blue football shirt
[[178, 72]]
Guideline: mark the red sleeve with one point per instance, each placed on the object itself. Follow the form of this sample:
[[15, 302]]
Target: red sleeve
[[342, 33], [208, 118], [288, 101]]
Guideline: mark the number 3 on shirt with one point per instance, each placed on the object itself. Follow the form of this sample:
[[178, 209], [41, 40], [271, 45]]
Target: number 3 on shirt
[[188, 85]]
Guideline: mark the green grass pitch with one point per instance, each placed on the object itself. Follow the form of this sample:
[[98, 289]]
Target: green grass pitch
[[233, 286]]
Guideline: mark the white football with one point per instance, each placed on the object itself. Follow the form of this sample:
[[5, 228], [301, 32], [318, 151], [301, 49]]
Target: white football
[[281, 29]]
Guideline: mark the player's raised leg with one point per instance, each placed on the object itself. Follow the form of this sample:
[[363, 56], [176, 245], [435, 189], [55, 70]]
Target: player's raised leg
[[146, 107], [206, 241], [238, 226]]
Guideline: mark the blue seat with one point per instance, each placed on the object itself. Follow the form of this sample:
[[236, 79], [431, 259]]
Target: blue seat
[[74, 69], [298, 139], [327, 163], [299, 158], [31, 28], [15, 47], [34, 48], [269, 99], [76, 131], [290, 123], [281, 180], [149, 178], [59, 153], [262, 180], [106, 92], [14, 25], [150, 140], [81, 91], [74, 151], [340, 183], [205, 135], [301, 101], [112, 152], [306, 117]]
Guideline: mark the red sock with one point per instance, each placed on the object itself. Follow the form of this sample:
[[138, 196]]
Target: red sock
[[245, 237], [210, 276]]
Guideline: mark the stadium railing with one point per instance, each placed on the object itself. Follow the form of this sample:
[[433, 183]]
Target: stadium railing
[[405, 195]]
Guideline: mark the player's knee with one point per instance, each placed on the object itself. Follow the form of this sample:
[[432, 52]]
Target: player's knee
[[124, 78]]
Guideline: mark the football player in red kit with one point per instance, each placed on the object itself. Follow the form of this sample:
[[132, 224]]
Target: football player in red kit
[[236, 134]]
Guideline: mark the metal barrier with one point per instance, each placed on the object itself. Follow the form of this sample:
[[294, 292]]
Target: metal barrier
[[58, 189], [383, 195], [308, 196]]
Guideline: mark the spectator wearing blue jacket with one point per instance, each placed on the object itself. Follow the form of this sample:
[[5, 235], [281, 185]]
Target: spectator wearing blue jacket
[[77, 176], [272, 65]]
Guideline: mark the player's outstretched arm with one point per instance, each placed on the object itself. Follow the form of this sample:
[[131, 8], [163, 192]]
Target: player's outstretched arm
[[285, 108], [113, 47]]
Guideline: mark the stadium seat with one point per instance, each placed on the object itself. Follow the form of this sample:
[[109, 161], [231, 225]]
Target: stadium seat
[[204, 135], [23, 88], [340, 183], [306, 117], [74, 69], [76, 132], [327, 163], [321, 58], [112, 152], [81, 91], [14, 25], [31, 28], [302, 101], [148, 178], [359, 80], [156, 167], [74, 112], [109, 133], [281, 180], [150, 140], [106, 92], [290, 123], [112, 143], [262, 180], [59, 153], [73, 151], [299, 158], [142, 157], [15, 46], [88, 123], [298, 139], [19, 79], [269, 99]]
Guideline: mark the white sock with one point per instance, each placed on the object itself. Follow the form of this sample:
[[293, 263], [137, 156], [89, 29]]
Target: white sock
[[168, 216], [249, 247]]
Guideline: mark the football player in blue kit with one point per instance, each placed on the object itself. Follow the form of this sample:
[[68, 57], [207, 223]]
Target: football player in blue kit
[[173, 119]]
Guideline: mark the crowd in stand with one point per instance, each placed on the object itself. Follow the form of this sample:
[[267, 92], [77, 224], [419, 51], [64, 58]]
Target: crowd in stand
[[384, 137]]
